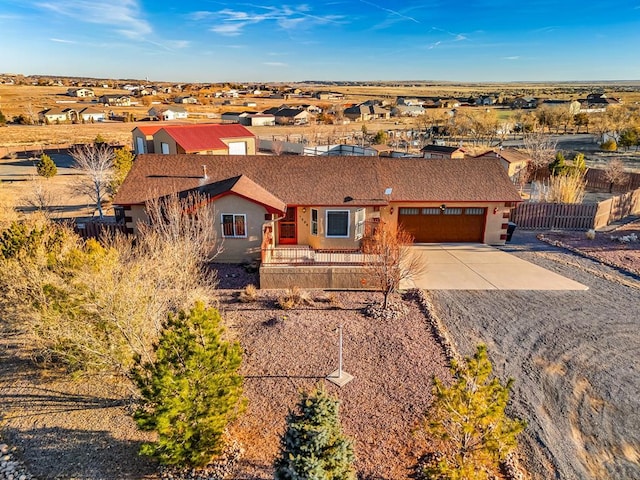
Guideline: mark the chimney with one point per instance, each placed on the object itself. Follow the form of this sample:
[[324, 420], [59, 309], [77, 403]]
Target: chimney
[[204, 172]]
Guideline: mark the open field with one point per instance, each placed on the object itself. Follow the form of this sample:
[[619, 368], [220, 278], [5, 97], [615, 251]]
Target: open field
[[574, 358]]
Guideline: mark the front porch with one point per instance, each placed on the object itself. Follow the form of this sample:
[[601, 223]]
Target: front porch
[[305, 255], [305, 267]]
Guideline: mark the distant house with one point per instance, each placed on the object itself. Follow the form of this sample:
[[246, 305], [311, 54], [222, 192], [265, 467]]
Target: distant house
[[597, 102], [407, 111], [89, 114], [57, 115], [409, 102], [258, 120], [329, 96], [442, 152], [364, 113], [188, 100], [524, 102], [116, 100], [53, 115], [292, 116], [168, 113], [314, 109], [80, 92], [236, 116]]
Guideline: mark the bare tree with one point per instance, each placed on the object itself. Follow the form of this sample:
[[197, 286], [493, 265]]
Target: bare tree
[[95, 161], [541, 149], [615, 174], [390, 260], [41, 198]]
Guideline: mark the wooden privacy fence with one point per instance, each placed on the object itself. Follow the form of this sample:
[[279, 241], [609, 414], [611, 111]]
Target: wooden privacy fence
[[96, 228], [561, 216], [566, 216]]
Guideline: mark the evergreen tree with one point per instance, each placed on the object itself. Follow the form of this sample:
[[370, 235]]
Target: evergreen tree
[[313, 447], [559, 165], [46, 167], [122, 163], [468, 425], [192, 390]]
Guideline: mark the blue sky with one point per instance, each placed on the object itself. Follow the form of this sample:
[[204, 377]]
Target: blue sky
[[210, 41]]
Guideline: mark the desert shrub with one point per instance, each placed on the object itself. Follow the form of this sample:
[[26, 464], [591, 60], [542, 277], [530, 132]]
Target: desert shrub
[[191, 391], [293, 298], [249, 294], [122, 163], [590, 234], [332, 299], [380, 138], [3, 119], [46, 167], [568, 188], [609, 145]]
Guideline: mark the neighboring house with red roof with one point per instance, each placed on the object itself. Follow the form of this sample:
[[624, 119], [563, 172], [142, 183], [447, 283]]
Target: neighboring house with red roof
[[143, 138], [211, 139], [295, 209]]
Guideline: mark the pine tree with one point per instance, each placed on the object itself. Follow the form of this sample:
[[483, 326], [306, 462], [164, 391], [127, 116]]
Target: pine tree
[[559, 165], [122, 163], [313, 447], [192, 390], [46, 167], [467, 424]]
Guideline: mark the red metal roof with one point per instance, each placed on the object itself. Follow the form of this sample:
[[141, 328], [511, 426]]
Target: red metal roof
[[198, 138], [150, 129]]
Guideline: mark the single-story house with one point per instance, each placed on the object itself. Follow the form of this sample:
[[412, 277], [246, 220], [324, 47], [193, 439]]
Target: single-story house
[[168, 113], [524, 102], [89, 114], [364, 112], [188, 100], [302, 209], [236, 117], [80, 92], [116, 100], [210, 139], [442, 152], [407, 111], [258, 120], [292, 116], [53, 115], [514, 161]]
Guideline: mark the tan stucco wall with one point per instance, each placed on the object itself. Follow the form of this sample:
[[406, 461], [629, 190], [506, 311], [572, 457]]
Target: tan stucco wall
[[234, 250], [250, 141], [341, 277], [163, 137], [320, 240], [493, 231]]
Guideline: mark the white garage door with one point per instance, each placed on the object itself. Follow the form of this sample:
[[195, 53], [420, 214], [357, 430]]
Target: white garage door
[[237, 148]]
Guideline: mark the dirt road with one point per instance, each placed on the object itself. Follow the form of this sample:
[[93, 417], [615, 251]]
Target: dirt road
[[574, 356]]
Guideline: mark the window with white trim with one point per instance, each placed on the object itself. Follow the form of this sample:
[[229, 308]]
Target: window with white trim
[[164, 148], [234, 225], [314, 221], [337, 222], [359, 220]]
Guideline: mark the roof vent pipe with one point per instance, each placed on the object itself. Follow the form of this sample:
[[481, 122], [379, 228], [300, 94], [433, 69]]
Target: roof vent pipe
[[204, 172]]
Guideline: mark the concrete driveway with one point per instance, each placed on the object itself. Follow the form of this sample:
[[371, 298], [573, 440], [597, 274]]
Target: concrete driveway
[[465, 266]]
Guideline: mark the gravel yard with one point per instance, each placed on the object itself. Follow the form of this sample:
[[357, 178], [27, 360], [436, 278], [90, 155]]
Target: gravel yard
[[574, 356]]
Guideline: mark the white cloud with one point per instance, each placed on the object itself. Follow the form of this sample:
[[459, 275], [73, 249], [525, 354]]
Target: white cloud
[[392, 12], [231, 22], [124, 15], [275, 64], [60, 40], [514, 57]]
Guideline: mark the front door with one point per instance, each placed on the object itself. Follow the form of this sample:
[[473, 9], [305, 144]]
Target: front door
[[287, 228]]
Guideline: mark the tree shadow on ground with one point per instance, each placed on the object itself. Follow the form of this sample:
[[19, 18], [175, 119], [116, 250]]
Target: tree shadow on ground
[[92, 455]]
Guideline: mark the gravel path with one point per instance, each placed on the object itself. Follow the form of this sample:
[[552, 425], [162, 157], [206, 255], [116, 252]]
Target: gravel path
[[574, 356]]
